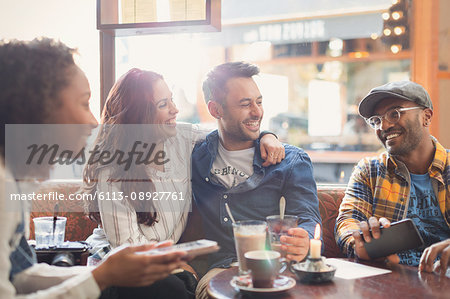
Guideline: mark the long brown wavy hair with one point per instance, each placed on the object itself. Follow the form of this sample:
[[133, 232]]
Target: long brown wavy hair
[[130, 101]]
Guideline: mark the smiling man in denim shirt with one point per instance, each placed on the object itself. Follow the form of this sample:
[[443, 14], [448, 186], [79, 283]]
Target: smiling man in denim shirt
[[227, 168]]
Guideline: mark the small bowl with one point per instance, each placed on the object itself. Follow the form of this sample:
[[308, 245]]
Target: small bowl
[[312, 277]]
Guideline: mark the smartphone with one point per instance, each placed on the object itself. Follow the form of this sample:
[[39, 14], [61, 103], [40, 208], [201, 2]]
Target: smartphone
[[193, 249], [400, 236]]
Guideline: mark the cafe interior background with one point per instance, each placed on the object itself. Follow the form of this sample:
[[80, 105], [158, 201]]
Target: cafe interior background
[[318, 58]]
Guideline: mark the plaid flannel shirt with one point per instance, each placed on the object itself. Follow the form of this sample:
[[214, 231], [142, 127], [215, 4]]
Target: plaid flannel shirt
[[380, 187]]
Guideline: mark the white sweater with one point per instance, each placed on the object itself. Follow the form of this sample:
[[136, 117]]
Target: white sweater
[[173, 187]]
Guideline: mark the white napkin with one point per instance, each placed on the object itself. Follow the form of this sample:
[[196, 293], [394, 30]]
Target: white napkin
[[350, 270]]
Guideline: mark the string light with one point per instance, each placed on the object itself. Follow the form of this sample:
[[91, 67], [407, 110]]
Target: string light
[[398, 30], [359, 54], [396, 48], [396, 15], [395, 28]]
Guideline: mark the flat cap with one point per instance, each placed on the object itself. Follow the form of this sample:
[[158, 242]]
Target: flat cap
[[404, 90]]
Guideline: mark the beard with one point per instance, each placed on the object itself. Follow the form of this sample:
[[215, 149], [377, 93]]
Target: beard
[[411, 137]]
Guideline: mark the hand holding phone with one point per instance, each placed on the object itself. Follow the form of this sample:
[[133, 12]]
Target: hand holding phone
[[379, 241]]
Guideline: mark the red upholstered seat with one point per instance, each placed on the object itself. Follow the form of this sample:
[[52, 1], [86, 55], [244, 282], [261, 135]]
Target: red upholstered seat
[[330, 198]]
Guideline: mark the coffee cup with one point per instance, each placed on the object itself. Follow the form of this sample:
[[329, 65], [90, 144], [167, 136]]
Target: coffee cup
[[264, 267]]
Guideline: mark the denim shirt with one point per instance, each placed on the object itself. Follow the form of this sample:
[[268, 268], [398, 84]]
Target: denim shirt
[[254, 199]]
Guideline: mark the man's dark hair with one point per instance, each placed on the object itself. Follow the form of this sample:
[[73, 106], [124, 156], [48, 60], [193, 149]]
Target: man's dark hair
[[32, 75], [214, 87]]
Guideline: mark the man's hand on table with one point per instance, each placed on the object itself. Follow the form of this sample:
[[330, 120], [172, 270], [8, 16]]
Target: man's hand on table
[[427, 263], [298, 241], [371, 230]]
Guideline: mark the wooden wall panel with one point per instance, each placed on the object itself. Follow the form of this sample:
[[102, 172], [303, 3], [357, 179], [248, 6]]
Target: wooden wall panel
[[425, 38]]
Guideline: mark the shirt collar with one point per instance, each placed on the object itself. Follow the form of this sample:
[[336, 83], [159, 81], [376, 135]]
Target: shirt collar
[[440, 157], [213, 144]]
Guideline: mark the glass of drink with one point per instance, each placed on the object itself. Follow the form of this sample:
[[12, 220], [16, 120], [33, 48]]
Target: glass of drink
[[278, 228], [249, 235], [49, 233]]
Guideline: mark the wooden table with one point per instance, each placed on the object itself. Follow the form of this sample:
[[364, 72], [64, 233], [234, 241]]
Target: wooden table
[[402, 282]]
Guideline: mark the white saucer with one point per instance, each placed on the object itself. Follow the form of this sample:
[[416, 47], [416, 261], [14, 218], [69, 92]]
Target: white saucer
[[244, 283]]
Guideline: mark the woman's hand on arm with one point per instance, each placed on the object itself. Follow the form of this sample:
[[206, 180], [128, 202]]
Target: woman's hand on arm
[[272, 150]]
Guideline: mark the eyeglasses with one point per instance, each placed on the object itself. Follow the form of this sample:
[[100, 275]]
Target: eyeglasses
[[392, 116]]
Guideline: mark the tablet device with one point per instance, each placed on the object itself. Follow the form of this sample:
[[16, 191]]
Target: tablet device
[[400, 236]]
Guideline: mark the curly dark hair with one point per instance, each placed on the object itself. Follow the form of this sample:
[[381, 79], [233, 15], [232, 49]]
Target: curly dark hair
[[214, 86], [32, 75]]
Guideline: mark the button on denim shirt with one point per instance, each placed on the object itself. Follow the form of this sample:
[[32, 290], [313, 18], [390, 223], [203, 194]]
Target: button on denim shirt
[[254, 199]]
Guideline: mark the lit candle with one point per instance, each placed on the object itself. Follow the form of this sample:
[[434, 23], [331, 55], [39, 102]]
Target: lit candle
[[315, 244]]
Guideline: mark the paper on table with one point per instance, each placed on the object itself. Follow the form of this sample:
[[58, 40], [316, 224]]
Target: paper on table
[[350, 270]]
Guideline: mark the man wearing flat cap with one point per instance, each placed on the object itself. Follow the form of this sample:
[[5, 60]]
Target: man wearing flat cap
[[411, 179]]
